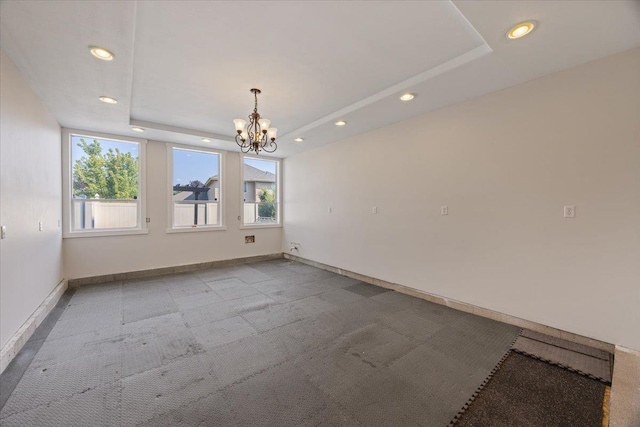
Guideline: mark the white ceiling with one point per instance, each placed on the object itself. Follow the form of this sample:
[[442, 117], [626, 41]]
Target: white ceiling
[[183, 69]]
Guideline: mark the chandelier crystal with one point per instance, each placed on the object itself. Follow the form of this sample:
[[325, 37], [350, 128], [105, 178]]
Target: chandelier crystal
[[257, 135]]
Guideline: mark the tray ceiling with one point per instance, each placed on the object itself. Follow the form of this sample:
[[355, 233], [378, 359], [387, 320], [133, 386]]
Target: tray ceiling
[[183, 70]]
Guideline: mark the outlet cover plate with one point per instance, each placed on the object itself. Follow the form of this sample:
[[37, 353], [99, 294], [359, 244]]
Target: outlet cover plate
[[570, 211]]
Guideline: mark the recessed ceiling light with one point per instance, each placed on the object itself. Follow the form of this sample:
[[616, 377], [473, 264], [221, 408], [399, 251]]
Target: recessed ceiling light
[[205, 140], [520, 30], [136, 129], [108, 100], [407, 97], [101, 53], [298, 140], [341, 123]]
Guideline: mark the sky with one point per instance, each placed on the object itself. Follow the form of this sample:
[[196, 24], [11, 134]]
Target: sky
[[188, 165], [193, 165], [125, 147], [263, 165]]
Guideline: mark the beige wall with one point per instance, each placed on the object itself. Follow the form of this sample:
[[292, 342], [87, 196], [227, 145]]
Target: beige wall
[[30, 191], [94, 256], [505, 164]]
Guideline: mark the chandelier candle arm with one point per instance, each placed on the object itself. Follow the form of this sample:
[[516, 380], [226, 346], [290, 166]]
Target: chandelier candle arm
[[257, 135]]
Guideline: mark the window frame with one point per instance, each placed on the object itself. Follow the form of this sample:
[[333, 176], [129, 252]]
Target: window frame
[[221, 226], [67, 184], [279, 212]]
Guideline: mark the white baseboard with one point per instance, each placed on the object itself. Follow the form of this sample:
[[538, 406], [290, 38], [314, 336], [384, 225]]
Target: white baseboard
[[463, 306], [22, 335], [625, 389], [139, 274]]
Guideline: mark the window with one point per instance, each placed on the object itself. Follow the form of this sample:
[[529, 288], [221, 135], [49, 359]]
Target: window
[[104, 185], [261, 203], [195, 189]]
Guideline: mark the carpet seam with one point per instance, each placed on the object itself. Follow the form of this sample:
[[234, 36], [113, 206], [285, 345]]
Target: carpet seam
[[484, 383], [564, 348], [560, 365]]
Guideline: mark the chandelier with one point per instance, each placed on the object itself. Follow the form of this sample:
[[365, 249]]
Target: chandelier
[[257, 135]]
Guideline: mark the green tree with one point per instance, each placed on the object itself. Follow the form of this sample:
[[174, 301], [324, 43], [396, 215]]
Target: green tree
[[267, 207], [111, 174]]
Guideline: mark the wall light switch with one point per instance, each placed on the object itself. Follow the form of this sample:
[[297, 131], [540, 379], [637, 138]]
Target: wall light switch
[[39, 225], [444, 210], [374, 210], [3, 232], [329, 209], [570, 211], [59, 223]]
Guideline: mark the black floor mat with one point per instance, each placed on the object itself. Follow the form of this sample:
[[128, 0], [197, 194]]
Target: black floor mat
[[526, 392]]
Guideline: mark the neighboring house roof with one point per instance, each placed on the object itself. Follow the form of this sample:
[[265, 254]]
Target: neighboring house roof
[[252, 174], [211, 181], [183, 195], [188, 195]]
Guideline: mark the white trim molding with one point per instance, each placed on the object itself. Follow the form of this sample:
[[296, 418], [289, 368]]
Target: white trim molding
[[67, 186], [463, 306], [221, 225], [155, 272], [279, 218], [22, 335]]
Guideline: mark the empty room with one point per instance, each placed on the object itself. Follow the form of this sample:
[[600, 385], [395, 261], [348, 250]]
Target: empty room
[[320, 213]]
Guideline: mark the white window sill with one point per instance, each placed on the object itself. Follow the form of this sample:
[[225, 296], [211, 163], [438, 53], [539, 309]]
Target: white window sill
[[196, 229], [83, 234], [250, 226]]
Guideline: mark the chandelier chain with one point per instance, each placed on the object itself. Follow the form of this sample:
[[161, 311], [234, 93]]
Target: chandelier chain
[[255, 106]]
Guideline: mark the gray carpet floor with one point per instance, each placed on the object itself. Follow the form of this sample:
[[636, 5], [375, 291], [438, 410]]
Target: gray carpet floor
[[272, 343]]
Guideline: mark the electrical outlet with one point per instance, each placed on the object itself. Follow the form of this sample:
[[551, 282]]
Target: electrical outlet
[[39, 225], [249, 239], [3, 232], [444, 210], [329, 209], [374, 210], [570, 211]]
